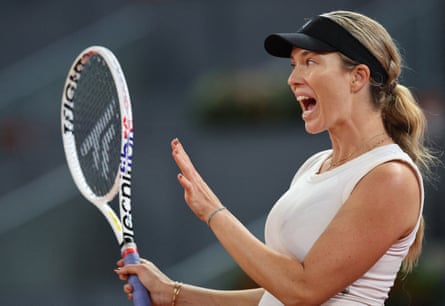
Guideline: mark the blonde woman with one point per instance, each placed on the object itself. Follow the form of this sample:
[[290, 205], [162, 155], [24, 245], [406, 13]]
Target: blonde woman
[[352, 217]]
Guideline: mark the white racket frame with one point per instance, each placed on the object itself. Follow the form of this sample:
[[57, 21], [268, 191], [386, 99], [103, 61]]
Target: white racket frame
[[69, 140]]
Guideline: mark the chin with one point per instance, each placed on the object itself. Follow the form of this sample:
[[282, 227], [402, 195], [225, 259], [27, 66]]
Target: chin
[[313, 130]]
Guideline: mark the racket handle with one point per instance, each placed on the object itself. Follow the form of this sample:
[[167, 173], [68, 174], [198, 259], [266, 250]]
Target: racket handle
[[140, 293]]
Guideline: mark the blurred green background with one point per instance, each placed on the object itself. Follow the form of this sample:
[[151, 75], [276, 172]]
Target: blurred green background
[[196, 70]]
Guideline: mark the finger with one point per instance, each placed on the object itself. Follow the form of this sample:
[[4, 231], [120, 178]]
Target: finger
[[185, 183], [127, 269], [120, 263], [174, 143], [144, 261], [182, 159], [123, 277], [128, 288]]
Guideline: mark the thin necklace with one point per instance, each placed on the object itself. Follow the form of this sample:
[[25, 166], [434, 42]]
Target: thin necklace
[[341, 161]]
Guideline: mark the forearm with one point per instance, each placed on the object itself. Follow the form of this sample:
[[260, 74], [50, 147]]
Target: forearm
[[193, 295], [279, 274]]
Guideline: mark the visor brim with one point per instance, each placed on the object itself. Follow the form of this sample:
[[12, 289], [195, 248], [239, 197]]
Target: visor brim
[[281, 44]]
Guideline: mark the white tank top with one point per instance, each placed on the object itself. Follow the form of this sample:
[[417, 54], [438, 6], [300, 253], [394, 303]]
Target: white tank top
[[301, 215]]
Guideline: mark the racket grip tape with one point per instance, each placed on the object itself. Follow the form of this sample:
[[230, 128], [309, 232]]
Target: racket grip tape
[[140, 293]]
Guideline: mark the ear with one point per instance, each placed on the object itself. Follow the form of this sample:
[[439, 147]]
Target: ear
[[360, 77]]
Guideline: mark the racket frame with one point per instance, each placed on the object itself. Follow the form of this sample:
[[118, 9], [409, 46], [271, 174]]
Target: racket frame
[[123, 226], [119, 225]]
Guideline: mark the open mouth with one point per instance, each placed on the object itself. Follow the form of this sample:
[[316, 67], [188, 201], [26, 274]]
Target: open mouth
[[307, 102]]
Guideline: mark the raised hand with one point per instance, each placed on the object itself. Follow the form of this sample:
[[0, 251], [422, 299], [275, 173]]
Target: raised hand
[[197, 194]]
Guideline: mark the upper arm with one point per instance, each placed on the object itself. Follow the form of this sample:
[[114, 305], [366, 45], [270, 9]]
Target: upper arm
[[383, 207]]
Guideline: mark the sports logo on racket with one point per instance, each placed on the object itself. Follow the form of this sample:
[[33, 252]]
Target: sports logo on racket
[[99, 139], [125, 186], [128, 126], [69, 92]]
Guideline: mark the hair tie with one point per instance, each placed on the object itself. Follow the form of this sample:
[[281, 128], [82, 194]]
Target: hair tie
[[393, 85]]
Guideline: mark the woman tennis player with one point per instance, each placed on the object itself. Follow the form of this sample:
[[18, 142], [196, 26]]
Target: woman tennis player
[[352, 216]]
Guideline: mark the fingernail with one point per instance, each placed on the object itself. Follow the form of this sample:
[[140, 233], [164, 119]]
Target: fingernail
[[175, 141]]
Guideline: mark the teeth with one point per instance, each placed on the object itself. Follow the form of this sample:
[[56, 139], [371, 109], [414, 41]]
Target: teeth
[[302, 98]]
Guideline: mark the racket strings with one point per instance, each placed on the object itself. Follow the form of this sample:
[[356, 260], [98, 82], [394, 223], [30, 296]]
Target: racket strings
[[97, 124]]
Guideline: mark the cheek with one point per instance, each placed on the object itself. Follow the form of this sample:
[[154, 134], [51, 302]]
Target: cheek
[[333, 91], [333, 104]]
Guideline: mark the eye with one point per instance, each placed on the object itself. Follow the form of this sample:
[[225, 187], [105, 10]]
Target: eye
[[310, 61]]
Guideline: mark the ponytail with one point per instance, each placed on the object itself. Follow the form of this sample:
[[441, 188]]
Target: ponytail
[[411, 259], [402, 117], [405, 122]]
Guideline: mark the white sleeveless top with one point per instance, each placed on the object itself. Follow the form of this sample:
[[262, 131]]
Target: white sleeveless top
[[301, 215]]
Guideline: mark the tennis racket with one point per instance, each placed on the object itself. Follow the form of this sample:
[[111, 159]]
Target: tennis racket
[[98, 138]]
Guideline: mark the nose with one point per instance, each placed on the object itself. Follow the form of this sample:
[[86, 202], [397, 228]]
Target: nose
[[294, 78]]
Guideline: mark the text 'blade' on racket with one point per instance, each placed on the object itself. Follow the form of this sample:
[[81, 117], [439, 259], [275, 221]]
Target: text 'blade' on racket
[[98, 138]]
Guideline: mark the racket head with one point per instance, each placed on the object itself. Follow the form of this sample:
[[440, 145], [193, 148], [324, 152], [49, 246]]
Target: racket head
[[95, 121]]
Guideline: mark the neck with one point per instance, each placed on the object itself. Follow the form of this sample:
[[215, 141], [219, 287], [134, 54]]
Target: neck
[[365, 146], [349, 142]]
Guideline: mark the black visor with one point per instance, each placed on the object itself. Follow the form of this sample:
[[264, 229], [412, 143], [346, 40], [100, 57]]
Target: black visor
[[321, 34]]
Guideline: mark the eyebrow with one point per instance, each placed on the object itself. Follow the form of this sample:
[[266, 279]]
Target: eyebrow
[[303, 53]]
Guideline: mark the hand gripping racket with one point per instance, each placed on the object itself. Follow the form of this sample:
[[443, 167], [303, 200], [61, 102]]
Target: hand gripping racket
[[98, 138]]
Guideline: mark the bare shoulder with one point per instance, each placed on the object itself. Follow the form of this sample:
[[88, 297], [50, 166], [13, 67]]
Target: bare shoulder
[[392, 188], [394, 176], [382, 209]]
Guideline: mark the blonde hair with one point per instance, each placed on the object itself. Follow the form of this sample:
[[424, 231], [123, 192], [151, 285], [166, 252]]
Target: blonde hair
[[403, 119]]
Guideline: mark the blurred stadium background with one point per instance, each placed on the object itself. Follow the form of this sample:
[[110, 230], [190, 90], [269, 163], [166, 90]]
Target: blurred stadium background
[[196, 70]]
